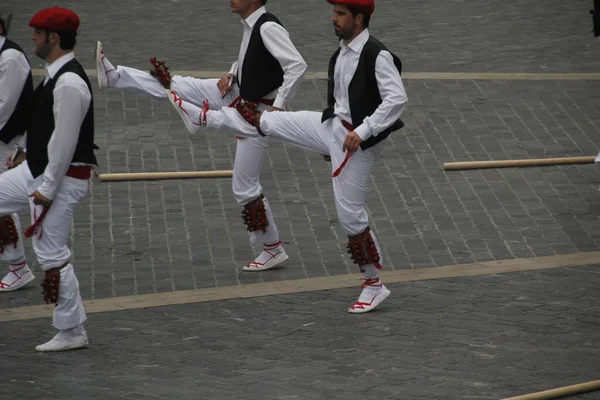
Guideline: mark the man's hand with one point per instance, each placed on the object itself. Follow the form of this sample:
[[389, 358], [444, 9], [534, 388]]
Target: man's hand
[[225, 84], [15, 158], [40, 200], [275, 109], [8, 162], [352, 142]]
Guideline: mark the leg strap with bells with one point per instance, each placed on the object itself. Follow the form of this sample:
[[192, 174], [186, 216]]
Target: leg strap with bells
[[362, 249], [254, 215], [8, 232], [51, 284]]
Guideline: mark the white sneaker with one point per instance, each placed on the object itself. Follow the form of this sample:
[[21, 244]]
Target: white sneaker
[[17, 277], [68, 339], [267, 260], [104, 69], [193, 117], [372, 295]]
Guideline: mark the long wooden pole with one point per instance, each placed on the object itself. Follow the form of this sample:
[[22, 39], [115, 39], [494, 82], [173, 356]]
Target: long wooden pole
[[151, 176], [559, 392], [518, 163]]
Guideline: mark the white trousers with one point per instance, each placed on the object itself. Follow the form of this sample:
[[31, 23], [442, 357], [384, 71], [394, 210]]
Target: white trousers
[[304, 129], [250, 152], [50, 243], [10, 253]]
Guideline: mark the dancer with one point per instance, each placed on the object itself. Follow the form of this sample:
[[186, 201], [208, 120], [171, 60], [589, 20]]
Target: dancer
[[365, 98], [268, 71]]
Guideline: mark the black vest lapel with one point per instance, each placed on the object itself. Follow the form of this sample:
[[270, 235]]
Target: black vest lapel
[[328, 112]]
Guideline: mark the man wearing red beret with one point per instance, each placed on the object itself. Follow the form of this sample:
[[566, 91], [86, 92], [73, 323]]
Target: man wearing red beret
[[54, 176], [268, 71], [365, 98], [15, 97]]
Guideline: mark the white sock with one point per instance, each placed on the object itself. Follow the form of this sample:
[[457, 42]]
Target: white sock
[[17, 264], [273, 247], [370, 271], [78, 330], [111, 72], [269, 250]]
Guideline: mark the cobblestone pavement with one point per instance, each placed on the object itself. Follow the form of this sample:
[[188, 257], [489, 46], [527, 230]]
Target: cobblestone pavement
[[464, 338], [144, 237], [450, 36]]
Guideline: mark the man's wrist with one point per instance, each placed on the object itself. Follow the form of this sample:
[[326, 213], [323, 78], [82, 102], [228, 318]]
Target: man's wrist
[[363, 132]]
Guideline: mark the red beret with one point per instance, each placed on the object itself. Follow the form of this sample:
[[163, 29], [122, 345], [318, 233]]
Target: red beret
[[55, 19], [363, 6]]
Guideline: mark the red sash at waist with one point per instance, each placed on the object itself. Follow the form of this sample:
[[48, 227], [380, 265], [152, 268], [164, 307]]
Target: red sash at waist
[[80, 171]]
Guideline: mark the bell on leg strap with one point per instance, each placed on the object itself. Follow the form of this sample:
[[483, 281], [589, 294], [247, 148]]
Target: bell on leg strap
[[8, 232], [254, 215], [51, 284], [363, 250]]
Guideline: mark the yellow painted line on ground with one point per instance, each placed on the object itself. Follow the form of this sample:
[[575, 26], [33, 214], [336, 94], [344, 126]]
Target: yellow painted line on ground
[[412, 75], [502, 76], [306, 285]]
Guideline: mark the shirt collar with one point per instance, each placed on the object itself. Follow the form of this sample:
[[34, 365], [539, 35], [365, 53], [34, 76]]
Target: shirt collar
[[251, 20], [52, 69], [357, 43], [2, 41]]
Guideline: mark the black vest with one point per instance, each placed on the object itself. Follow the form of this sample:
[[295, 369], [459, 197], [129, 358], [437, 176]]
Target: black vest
[[363, 91], [42, 124], [261, 72], [17, 123]]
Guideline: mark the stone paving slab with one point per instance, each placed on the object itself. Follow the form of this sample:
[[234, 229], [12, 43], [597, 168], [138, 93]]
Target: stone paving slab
[[485, 337]]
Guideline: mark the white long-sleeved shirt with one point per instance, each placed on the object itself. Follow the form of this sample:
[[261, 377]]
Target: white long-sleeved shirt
[[389, 82], [277, 42], [14, 70], [72, 99]]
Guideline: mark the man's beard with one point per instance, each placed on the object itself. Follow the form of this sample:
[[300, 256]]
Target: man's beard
[[343, 35], [43, 51]]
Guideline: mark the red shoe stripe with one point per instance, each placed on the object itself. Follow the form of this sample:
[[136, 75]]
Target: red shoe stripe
[[256, 264], [361, 304], [7, 285]]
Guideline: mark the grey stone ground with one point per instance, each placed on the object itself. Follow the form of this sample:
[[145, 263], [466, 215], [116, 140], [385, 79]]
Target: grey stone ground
[[145, 237], [464, 338]]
